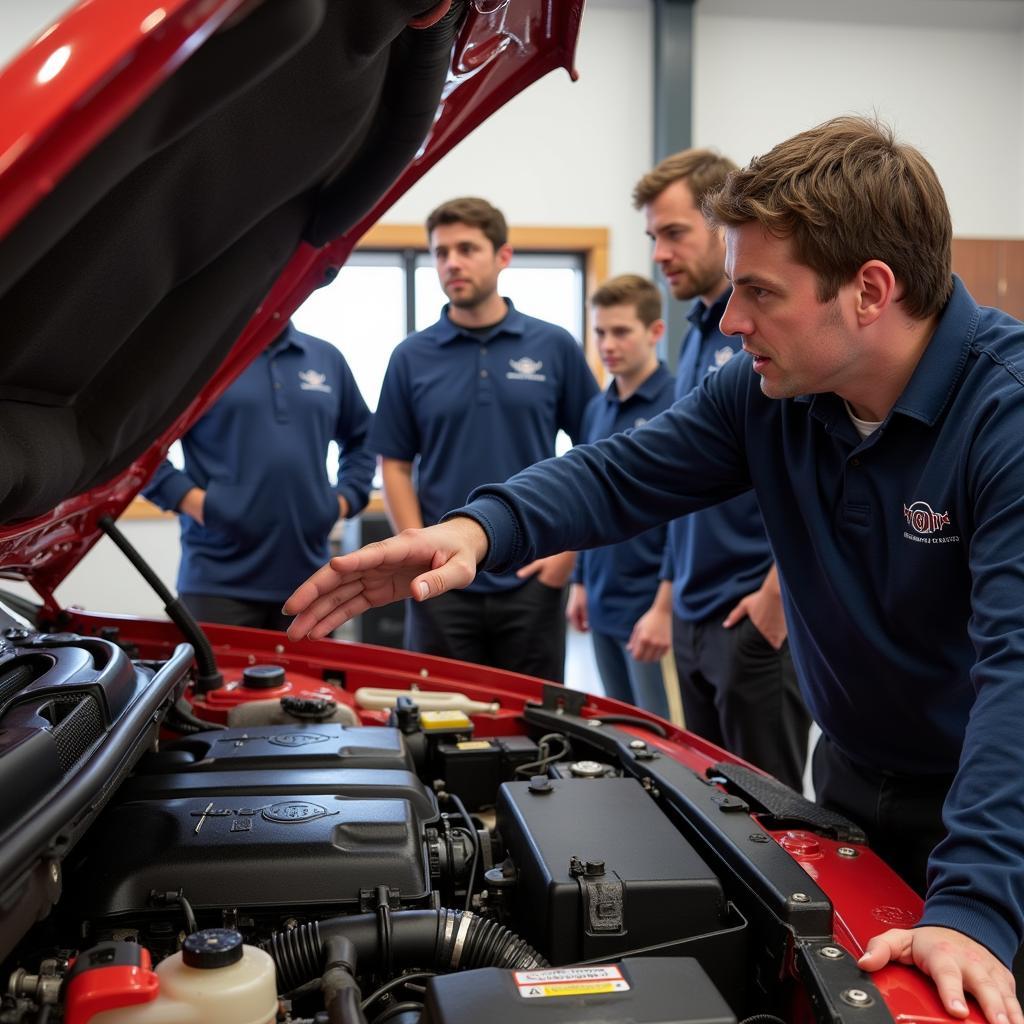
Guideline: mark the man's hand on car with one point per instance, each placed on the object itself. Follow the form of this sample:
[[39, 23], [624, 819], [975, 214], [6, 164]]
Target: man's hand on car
[[956, 964], [417, 563]]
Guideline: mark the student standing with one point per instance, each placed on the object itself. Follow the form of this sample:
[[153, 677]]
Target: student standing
[[477, 396], [615, 589]]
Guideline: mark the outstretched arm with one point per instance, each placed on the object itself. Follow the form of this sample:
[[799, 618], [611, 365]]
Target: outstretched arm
[[417, 563]]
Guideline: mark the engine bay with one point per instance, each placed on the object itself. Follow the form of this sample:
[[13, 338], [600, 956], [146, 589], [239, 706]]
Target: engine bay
[[421, 857]]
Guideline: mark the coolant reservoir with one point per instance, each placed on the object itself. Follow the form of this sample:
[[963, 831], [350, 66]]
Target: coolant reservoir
[[215, 979]]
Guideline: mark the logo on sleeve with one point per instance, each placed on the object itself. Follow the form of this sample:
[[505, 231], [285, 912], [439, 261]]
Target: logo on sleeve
[[525, 369], [927, 524], [312, 380]]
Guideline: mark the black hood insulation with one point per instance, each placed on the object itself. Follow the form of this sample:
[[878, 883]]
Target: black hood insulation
[[124, 290]]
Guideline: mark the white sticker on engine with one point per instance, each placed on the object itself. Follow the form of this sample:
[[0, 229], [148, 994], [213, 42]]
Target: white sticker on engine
[[570, 981]]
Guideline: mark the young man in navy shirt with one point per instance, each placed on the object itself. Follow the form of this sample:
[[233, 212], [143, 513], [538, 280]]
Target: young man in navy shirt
[[254, 498], [615, 587], [878, 417], [736, 676], [474, 398]]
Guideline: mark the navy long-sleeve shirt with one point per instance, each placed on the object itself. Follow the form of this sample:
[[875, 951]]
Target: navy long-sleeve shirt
[[903, 559], [260, 453]]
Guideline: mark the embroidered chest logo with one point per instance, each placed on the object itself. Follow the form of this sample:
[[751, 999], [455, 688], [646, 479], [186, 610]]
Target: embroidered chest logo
[[722, 356], [926, 523], [525, 369], [312, 380]]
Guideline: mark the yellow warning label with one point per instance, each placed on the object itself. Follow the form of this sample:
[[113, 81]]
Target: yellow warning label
[[579, 988], [570, 981], [473, 745]]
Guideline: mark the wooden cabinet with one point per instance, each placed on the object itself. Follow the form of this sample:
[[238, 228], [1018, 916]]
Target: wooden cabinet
[[993, 270]]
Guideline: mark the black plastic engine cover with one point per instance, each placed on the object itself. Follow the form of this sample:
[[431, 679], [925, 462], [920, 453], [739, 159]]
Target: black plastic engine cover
[[352, 783], [283, 747], [601, 870], [250, 850]]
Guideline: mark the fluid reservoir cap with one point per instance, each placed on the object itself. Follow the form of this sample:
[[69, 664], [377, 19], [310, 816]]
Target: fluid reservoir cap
[[263, 677], [212, 948]]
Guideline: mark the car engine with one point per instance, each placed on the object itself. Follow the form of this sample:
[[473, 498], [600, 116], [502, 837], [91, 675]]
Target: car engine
[[311, 870]]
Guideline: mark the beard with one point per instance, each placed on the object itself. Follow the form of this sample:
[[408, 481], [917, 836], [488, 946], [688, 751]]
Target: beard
[[699, 280], [468, 297]]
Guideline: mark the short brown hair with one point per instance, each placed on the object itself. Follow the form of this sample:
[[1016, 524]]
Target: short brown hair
[[477, 213], [847, 192], [703, 170], [630, 290]]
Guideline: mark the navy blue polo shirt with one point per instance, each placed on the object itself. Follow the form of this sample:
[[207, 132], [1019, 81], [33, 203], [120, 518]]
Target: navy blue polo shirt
[[260, 453], [472, 407], [622, 579], [903, 561], [717, 556]]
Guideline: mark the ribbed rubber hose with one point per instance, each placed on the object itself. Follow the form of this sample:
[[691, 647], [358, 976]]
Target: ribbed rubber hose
[[440, 940]]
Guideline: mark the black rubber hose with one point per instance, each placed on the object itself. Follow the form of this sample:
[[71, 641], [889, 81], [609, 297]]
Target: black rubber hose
[[208, 678], [341, 993], [440, 940]]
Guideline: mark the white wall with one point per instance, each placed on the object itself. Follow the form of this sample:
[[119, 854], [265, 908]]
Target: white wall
[[947, 73]]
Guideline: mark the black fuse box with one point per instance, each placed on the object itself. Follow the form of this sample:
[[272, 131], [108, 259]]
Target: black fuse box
[[601, 869], [644, 990], [471, 770]]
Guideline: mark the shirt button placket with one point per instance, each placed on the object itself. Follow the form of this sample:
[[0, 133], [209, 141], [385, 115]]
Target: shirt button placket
[[484, 392], [277, 395]]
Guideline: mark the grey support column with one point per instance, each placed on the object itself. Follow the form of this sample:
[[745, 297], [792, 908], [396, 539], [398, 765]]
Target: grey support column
[[673, 117]]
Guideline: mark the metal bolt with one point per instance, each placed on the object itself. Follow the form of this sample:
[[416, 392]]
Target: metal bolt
[[800, 897], [54, 872], [831, 952], [637, 745], [759, 837], [847, 851], [856, 997]]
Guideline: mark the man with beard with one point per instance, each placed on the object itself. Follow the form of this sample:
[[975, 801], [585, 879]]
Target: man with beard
[[472, 399], [736, 676]]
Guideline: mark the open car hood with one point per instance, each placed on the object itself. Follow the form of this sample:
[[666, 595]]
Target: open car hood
[[175, 179]]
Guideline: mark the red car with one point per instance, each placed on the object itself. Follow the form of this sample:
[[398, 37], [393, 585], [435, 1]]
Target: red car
[[224, 827]]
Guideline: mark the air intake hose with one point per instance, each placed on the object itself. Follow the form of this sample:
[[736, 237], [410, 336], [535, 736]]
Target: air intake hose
[[441, 940]]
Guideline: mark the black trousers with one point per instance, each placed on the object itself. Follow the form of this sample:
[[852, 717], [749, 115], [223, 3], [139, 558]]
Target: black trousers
[[233, 611], [522, 630], [901, 814], [741, 693]]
